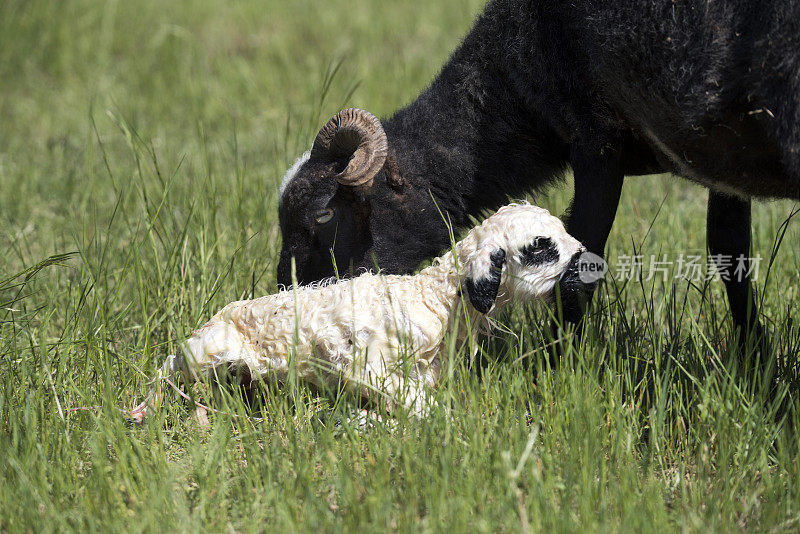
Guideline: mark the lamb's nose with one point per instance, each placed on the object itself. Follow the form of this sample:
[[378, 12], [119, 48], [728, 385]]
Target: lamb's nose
[[579, 280], [582, 273], [570, 279]]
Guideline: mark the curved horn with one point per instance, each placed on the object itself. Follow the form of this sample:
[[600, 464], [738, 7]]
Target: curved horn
[[356, 134]]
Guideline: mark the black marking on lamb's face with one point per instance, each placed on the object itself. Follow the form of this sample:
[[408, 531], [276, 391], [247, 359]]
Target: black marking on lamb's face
[[541, 251], [483, 292]]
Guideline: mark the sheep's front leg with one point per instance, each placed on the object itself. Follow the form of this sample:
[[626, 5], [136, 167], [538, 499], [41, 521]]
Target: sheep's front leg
[[598, 185], [728, 235]]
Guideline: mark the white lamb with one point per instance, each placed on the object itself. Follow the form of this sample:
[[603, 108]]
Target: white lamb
[[382, 336]]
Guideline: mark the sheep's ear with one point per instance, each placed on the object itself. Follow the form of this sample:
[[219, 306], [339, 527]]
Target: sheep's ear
[[484, 281]]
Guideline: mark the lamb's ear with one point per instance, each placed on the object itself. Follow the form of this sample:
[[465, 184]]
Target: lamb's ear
[[483, 282]]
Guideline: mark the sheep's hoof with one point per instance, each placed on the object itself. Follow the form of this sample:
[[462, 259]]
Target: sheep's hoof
[[753, 342]]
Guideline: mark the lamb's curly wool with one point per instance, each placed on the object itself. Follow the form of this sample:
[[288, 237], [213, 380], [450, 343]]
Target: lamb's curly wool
[[377, 333]]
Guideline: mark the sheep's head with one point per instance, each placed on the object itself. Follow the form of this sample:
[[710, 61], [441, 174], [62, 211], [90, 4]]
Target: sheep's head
[[345, 202], [522, 252]]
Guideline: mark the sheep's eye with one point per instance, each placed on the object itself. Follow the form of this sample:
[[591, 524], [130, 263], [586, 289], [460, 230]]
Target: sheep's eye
[[323, 216]]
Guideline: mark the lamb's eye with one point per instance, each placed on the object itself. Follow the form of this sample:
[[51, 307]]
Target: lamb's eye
[[323, 216], [539, 251]]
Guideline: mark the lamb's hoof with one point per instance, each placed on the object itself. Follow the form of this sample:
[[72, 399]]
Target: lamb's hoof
[[365, 419], [358, 420], [200, 418], [135, 420]]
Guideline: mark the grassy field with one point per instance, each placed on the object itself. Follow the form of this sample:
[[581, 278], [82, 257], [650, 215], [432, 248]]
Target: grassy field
[[145, 141]]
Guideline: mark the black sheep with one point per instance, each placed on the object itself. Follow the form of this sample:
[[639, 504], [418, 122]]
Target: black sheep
[[707, 90]]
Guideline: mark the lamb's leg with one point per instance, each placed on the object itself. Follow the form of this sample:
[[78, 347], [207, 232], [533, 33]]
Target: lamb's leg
[[409, 394], [201, 416], [155, 397], [417, 399], [728, 235], [392, 388]]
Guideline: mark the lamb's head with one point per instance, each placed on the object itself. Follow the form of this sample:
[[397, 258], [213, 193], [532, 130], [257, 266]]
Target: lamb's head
[[521, 253], [347, 202]]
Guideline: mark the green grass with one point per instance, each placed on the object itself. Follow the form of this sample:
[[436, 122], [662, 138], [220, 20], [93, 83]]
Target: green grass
[[149, 138]]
